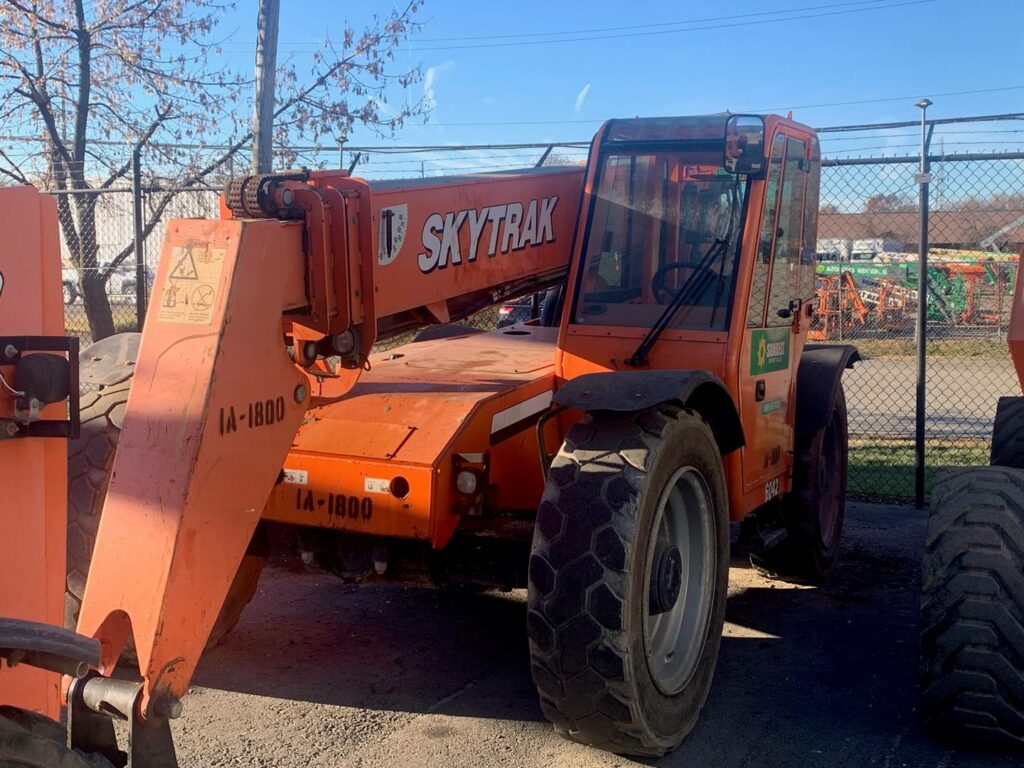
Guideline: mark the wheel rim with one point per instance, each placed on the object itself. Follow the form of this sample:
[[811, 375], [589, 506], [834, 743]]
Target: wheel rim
[[679, 581], [828, 516]]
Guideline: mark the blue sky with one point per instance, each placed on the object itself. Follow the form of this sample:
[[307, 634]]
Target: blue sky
[[841, 51]]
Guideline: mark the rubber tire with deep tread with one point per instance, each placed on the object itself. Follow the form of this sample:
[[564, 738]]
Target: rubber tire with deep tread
[[30, 740], [972, 609], [586, 579], [90, 459], [804, 554], [1008, 433]]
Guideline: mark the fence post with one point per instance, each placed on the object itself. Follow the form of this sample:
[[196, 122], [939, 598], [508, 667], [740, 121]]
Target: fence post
[[922, 178], [140, 255]]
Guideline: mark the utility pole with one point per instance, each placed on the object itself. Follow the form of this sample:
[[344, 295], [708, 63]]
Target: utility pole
[[922, 177], [266, 67]]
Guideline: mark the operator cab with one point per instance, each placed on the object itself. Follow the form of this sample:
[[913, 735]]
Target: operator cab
[[696, 251], [667, 213]]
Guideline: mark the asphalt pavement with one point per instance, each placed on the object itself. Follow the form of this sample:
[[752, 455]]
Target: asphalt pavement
[[322, 674], [961, 396]]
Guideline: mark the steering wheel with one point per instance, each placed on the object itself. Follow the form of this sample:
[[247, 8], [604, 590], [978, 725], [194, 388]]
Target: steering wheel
[[663, 294]]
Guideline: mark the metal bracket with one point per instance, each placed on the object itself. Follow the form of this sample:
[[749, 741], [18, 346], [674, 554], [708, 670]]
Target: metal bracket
[[93, 704], [26, 422]]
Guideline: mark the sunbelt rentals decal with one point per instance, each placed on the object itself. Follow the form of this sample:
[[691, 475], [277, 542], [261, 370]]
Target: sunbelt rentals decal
[[513, 227], [769, 350]]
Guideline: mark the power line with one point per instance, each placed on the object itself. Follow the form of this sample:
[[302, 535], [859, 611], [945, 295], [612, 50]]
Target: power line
[[413, 48], [291, 45], [906, 124]]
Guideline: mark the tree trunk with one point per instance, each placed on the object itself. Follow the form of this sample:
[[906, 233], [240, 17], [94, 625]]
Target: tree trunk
[[79, 228], [97, 304]]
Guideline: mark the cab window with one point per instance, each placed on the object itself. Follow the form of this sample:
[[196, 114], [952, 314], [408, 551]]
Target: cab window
[[661, 227]]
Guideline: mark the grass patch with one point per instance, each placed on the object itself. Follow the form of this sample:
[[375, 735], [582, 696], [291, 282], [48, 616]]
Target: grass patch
[[884, 469], [987, 349]]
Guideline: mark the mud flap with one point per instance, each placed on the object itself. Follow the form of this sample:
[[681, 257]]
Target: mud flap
[[817, 383]]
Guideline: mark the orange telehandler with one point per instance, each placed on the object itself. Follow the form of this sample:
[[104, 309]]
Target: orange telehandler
[[595, 455]]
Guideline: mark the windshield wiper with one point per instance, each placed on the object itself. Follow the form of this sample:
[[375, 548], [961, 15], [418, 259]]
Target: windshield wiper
[[688, 291]]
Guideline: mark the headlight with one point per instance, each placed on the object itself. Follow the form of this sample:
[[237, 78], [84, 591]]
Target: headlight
[[467, 481]]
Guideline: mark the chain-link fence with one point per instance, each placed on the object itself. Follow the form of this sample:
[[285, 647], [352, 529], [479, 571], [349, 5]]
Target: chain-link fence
[[98, 266], [867, 288], [868, 241]]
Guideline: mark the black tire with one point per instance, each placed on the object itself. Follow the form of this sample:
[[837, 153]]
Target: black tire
[[972, 610], [813, 511], [30, 740], [587, 602], [90, 459], [1008, 433]]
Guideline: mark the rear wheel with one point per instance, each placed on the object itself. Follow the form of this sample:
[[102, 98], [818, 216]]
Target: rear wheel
[[813, 511], [90, 459], [30, 740], [972, 609], [1008, 433], [628, 578]]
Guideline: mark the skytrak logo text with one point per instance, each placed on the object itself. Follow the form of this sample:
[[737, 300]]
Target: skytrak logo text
[[510, 230]]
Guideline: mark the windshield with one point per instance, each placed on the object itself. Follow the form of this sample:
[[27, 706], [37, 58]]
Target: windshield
[[656, 223]]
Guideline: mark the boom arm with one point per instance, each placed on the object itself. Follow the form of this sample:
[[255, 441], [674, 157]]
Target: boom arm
[[301, 267]]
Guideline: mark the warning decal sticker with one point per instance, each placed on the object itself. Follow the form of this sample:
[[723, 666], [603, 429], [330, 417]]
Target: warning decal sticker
[[190, 295]]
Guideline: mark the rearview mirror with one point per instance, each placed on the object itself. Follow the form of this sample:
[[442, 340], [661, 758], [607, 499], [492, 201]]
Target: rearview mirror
[[744, 144]]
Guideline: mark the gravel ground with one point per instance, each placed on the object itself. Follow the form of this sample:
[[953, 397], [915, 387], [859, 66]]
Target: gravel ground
[[321, 674]]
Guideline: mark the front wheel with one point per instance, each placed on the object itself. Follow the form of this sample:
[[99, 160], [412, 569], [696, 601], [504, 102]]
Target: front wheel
[[628, 580], [30, 740]]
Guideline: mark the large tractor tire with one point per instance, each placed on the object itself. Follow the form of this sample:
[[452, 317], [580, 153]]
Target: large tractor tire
[[628, 579], [30, 740], [813, 511], [972, 610], [1008, 433], [90, 459]]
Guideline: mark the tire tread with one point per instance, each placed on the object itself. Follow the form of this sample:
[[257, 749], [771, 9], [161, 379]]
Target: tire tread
[[972, 609], [594, 481]]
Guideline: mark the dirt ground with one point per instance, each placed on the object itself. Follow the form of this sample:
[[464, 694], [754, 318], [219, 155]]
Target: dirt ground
[[321, 674]]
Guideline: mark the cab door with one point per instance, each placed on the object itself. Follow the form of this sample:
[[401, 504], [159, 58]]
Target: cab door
[[771, 341]]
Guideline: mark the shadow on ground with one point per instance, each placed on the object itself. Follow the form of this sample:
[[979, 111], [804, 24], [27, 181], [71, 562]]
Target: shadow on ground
[[806, 677]]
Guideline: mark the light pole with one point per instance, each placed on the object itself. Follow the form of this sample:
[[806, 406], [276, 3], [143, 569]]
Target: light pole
[[922, 178]]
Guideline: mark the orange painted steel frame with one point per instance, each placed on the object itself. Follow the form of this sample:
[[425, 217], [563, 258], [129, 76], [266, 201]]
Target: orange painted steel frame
[[590, 348], [217, 399], [33, 471], [423, 405]]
